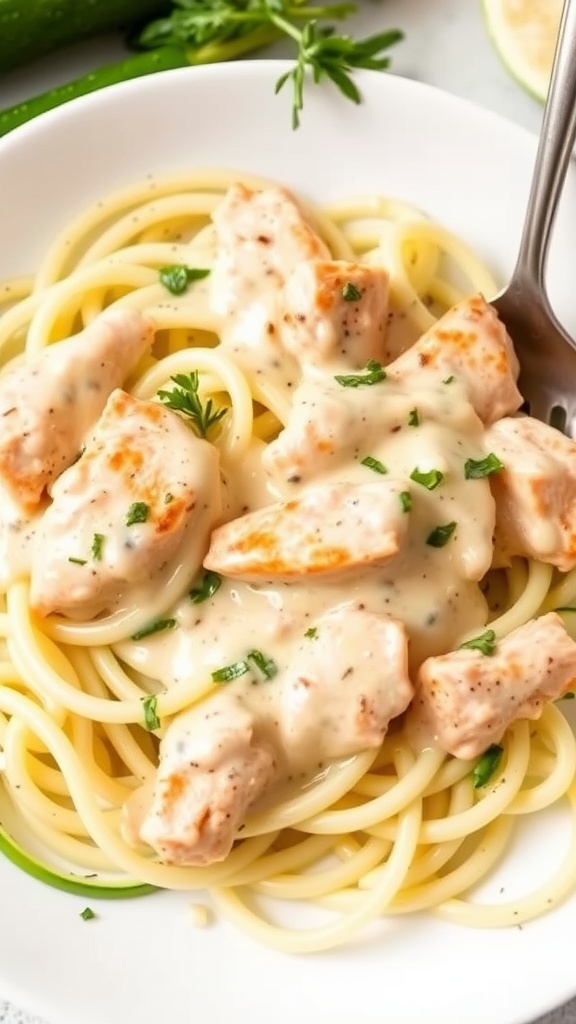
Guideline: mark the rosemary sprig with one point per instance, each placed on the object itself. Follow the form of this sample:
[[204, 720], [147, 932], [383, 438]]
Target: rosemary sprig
[[184, 398]]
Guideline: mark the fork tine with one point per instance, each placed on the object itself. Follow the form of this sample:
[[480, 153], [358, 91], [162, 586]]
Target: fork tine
[[539, 405], [570, 427]]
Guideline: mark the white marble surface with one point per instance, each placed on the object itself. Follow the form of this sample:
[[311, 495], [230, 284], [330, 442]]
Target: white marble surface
[[446, 45]]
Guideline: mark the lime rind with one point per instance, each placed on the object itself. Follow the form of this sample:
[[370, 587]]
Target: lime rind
[[510, 45]]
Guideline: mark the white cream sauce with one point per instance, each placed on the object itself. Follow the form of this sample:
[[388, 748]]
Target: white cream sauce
[[331, 428]]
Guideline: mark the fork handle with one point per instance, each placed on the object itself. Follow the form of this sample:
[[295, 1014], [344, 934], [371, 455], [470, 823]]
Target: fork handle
[[553, 157]]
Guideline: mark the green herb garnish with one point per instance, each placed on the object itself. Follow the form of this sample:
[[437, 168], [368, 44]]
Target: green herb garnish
[[311, 633], [151, 720], [77, 561], [374, 464], [155, 627], [486, 765], [137, 513], [184, 399], [212, 30], [168, 497], [372, 374], [440, 535], [324, 54], [485, 643], [266, 666], [209, 584], [87, 914], [97, 545], [476, 469], [449, 380], [177, 277], [350, 293], [229, 672], [414, 418], [430, 480], [405, 501]]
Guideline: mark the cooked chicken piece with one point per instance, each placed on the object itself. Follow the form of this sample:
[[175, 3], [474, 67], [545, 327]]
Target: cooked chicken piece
[[335, 312], [347, 681], [144, 485], [211, 770], [48, 405], [262, 237], [326, 422], [467, 699], [471, 343], [535, 493], [327, 531]]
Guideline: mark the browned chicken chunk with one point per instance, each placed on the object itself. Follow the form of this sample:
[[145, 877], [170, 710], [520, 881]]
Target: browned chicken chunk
[[262, 237], [122, 511], [47, 406], [471, 343], [347, 680], [466, 699], [328, 530], [211, 770], [535, 493], [335, 312]]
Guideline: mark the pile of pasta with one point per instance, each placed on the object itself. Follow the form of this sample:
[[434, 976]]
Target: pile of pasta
[[394, 831]]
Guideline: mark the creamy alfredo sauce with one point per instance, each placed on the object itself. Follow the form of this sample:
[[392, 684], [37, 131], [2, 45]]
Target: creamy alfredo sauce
[[433, 590], [387, 431]]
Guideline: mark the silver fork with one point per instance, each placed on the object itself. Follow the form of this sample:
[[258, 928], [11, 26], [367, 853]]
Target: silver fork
[[547, 354]]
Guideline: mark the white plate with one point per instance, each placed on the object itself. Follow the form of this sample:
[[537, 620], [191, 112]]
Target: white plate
[[142, 961]]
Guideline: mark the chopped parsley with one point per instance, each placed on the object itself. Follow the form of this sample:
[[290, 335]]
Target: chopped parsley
[[449, 380], [266, 666], [150, 705], [405, 501], [184, 399], [569, 695], [414, 418], [155, 627], [311, 633], [209, 584], [229, 672], [485, 643], [178, 276], [97, 545], [440, 535], [373, 374], [430, 480], [486, 765], [374, 464], [350, 293], [137, 513], [87, 914], [476, 469], [77, 561]]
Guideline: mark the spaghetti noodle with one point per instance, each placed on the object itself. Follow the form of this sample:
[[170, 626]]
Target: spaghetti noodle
[[392, 831]]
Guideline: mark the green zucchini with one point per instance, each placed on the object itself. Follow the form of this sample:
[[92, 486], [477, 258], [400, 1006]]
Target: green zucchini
[[93, 887], [133, 67], [31, 28]]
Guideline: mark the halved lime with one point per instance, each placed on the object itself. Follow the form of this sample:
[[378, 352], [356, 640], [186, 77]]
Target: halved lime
[[524, 33]]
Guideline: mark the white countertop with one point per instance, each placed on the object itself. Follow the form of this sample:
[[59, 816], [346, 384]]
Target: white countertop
[[446, 45]]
